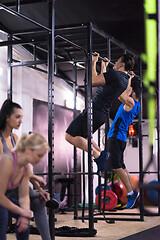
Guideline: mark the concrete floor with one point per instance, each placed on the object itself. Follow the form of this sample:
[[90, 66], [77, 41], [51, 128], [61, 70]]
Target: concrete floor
[[116, 231]]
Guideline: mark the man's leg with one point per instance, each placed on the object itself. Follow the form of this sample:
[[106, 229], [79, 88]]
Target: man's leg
[[129, 178], [124, 178], [116, 149], [82, 143], [96, 146], [100, 158]]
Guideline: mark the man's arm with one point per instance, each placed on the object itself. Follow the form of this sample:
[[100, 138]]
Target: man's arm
[[98, 79], [125, 98]]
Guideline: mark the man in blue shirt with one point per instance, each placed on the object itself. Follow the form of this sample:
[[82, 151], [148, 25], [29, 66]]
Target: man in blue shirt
[[117, 138]]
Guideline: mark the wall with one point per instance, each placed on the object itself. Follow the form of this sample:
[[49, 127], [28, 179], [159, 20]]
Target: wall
[[29, 84]]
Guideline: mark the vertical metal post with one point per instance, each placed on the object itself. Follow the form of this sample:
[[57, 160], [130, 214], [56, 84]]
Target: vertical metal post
[[109, 48], [99, 137], [10, 74], [90, 125], [18, 6], [83, 156], [107, 122], [51, 112], [125, 51], [75, 150], [141, 175], [158, 96], [34, 54], [99, 192], [84, 185]]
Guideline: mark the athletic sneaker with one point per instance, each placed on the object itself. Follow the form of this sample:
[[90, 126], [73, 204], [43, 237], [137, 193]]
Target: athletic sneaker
[[120, 206], [102, 161], [132, 199], [52, 203]]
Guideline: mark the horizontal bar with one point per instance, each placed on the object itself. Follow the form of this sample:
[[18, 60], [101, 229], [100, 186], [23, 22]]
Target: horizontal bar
[[79, 173], [114, 219], [32, 44], [28, 31], [81, 86], [85, 173], [101, 58], [79, 61], [33, 67], [72, 43], [146, 172], [21, 42], [69, 27], [54, 173], [28, 63], [110, 212], [38, 69]]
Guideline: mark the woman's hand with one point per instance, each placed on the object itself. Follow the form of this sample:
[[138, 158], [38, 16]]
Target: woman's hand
[[40, 180], [26, 213], [45, 195], [23, 224]]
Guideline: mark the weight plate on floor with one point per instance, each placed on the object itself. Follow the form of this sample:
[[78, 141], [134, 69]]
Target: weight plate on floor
[[110, 201]]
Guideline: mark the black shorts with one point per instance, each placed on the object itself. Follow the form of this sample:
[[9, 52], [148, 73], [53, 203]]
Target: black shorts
[[78, 126], [116, 149]]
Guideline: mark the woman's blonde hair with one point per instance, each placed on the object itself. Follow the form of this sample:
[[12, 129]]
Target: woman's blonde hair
[[35, 141]]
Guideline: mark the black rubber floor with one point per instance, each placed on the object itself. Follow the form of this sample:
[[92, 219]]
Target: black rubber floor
[[149, 234]]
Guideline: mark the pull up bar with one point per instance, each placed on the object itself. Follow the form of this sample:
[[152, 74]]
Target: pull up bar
[[102, 58], [111, 63]]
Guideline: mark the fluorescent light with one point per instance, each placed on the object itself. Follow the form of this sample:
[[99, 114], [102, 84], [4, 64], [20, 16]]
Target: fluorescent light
[[69, 103]]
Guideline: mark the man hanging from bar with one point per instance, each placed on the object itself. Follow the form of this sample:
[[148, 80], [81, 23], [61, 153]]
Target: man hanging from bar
[[117, 138], [112, 84]]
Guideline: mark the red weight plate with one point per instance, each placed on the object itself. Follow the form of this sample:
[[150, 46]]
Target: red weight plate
[[110, 200], [118, 188]]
